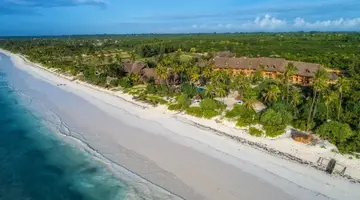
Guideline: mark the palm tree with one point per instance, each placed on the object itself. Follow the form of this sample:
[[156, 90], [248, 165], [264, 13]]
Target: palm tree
[[240, 83], [220, 77], [290, 71], [329, 97], [194, 78], [162, 73], [271, 93], [194, 73], [248, 103], [132, 56], [296, 98], [134, 77], [207, 73], [320, 82], [220, 91], [180, 69], [210, 90], [343, 86]]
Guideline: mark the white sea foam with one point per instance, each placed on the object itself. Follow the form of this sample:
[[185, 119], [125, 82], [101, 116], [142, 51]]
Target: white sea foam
[[135, 186]]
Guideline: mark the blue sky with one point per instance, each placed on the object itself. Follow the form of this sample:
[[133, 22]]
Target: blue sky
[[56, 17]]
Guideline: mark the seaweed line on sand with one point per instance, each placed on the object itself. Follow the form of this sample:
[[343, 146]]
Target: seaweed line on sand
[[261, 147]]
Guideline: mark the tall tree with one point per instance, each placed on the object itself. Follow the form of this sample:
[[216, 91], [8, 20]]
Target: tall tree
[[329, 97], [221, 91], [135, 78], [194, 73], [320, 82], [210, 91], [240, 83], [248, 102], [180, 70], [290, 71], [132, 56], [343, 86], [296, 99], [271, 93], [207, 72], [162, 73]]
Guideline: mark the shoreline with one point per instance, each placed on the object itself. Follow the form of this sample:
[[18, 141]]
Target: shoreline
[[257, 145], [197, 122]]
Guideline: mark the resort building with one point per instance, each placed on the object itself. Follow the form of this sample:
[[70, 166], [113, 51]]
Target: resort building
[[270, 67], [135, 67], [142, 69]]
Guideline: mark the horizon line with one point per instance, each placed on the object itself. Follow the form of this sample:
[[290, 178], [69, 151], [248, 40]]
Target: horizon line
[[147, 34]]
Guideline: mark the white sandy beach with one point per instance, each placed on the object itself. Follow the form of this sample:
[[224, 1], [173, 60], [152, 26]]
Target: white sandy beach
[[165, 148]]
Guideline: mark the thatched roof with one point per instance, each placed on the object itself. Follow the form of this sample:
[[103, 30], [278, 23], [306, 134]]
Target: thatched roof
[[268, 64], [149, 73], [135, 67], [306, 69]]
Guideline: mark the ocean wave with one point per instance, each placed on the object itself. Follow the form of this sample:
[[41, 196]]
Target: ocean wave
[[98, 173]]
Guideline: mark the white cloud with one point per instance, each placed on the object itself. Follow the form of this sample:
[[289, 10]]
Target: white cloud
[[269, 23], [339, 24]]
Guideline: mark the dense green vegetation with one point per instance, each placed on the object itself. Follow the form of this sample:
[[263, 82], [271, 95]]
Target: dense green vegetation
[[255, 132], [183, 64], [338, 50]]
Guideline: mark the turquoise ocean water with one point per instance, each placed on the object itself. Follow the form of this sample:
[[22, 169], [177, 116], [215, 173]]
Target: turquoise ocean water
[[36, 164], [39, 161]]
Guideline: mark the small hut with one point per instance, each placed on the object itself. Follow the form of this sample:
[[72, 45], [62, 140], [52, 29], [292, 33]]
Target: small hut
[[301, 137]]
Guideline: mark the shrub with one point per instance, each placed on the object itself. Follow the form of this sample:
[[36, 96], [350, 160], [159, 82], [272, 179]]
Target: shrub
[[270, 118], [163, 90], [195, 111], [156, 100], [299, 124], [240, 111], [281, 107], [188, 89], [209, 104], [208, 114], [114, 82], [221, 105], [338, 133], [276, 118], [184, 101], [174, 107], [151, 89], [242, 123], [274, 131], [255, 132], [73, 71], [251, 93], [234, 113], [125, 83]]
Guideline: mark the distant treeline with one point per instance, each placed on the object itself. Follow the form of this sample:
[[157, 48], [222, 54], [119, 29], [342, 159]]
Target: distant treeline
[[333, 50]]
